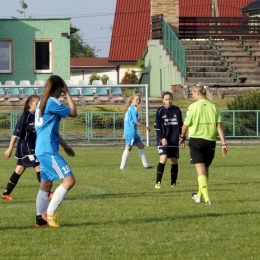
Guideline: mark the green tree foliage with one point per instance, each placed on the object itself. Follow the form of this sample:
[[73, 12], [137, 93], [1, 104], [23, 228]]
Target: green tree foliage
[[141, 64], [78, 48], [95, 76], [249, 102], [23, 6], [130, 78]]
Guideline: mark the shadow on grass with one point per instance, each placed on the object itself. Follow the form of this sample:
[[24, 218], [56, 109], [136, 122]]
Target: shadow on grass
[[136, 221]]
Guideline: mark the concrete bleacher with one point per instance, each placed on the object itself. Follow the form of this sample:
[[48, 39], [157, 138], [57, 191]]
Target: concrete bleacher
[[12, 94]]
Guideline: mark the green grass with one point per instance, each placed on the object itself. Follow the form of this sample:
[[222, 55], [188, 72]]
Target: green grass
[[112, 214]]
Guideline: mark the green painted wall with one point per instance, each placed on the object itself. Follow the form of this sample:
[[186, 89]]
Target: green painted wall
[[23, 32], [159, 74]]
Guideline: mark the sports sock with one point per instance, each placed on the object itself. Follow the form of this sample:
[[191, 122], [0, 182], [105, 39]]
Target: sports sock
[[199, 194], [57, 199], [203, 186], [142, 155], [174, 173], [124, 159], [160, 170], [38, 176], [12, 183], [41, 202]]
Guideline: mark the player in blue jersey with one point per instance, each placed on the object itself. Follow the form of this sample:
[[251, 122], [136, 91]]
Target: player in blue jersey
[[48, 114], [131, 121], [168, 125], [25, 133]]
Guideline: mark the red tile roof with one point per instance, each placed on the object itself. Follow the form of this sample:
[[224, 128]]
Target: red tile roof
[[91, 62], [202, 8], [131, 30]]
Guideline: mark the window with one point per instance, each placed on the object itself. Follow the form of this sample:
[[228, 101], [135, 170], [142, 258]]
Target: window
[[5, 56], [43, 56]]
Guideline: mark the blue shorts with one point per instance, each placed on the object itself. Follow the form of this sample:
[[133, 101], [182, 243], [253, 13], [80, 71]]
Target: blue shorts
[[53, 167], [131, 139]]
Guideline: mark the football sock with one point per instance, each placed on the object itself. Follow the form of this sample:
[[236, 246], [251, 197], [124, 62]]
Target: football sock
[[203, 185], [142, 155], [57, 199], [38, 176], [199, 194], [12, 183], [174, 173], [160, 170], [41, 202], [124, 159]]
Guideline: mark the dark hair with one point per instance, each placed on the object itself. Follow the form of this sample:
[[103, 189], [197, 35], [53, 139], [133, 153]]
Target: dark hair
[[28, 101], [167, 93], [53, 83]]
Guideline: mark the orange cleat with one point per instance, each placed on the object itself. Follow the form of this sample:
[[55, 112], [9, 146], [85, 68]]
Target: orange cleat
[[6, 197]]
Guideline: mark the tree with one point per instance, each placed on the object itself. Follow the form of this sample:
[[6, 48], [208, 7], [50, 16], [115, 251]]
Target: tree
[[78, 48], [130, 78], [23, 6]]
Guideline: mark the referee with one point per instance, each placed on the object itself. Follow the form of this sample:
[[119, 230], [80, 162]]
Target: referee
[[204, 123]]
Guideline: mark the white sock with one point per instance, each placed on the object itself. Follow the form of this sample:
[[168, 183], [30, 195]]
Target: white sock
[[57, 199], [143, 157], [41, 202], [124, 159]]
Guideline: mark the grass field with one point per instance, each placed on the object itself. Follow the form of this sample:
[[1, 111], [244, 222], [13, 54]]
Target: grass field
[[112, 214]]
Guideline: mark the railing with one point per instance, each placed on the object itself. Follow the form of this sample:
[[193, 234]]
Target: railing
[[174, 46], [106, 128], [219, 27]]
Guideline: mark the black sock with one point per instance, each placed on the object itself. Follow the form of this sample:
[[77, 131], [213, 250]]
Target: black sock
[[160, 170], [12, 183], [38, 176], [174, 173], [40, 221]]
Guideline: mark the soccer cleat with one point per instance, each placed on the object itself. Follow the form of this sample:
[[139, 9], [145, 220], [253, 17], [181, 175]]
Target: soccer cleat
[[6, 197], [194, 197], [122, 169], [51, 195], [157, 185], [173, 185], [149, 166], [51, 220], [208, 202]]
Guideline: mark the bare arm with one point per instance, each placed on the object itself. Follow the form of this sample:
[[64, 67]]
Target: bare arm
[[69, 151], [71, 104], [222, 138], [143, 126], [183, 134], [8, 152]]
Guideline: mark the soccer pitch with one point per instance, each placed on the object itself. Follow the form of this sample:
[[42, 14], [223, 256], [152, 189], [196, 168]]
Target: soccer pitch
[[113, 214]]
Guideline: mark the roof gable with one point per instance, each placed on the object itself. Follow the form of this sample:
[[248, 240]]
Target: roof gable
[[252, 7], [131, 30], [90, 63]]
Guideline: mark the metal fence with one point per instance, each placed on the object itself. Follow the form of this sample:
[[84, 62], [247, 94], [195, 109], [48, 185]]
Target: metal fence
[[107, 127]]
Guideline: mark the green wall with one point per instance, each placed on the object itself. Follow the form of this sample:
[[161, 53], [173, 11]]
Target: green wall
[[159, 73], [23, 32]]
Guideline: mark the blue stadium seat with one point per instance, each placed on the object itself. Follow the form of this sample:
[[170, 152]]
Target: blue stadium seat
[[87, 94]]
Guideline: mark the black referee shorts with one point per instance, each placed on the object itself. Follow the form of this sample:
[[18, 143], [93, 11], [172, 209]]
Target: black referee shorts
[[26, 162], [202, 151], [171, 152]]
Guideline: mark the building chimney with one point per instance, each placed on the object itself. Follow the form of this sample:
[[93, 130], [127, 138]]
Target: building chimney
[[170, 11]]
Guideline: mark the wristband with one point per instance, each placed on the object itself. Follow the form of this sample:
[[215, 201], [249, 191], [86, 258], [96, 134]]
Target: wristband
[[182, 137]]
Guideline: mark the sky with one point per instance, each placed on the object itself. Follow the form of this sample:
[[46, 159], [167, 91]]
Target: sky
[[94, 18]]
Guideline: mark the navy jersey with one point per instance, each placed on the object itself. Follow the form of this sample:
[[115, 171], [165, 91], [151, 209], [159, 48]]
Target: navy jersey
[[168, 124], [26, 133]]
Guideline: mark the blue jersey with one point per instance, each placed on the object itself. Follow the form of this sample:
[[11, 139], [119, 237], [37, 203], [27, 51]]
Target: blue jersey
[[47, 126], [26, 134], [168, 124], [131, 117]]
